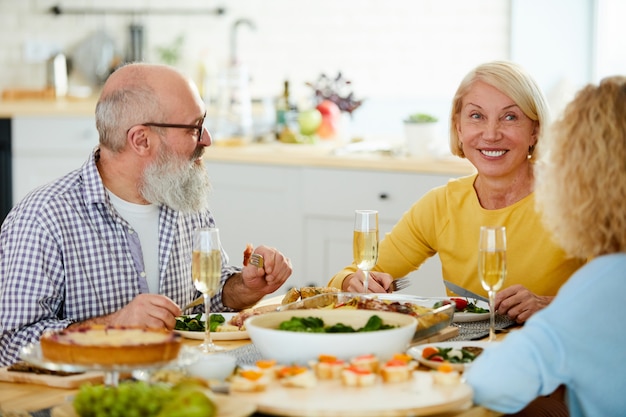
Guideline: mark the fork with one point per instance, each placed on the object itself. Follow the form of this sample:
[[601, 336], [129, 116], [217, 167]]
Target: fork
[[399, 284], [256, 260]]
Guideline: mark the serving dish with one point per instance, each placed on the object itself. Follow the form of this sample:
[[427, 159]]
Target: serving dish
[[430, 320], [416, 353], [332, 398], [302, 347]]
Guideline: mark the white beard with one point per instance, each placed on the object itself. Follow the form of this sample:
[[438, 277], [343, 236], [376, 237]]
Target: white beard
[[180, 184]]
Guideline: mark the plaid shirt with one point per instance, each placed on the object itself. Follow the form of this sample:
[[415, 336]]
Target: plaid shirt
[[66, 256]]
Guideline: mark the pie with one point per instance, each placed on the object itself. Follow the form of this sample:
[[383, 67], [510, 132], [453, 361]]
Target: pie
[[110, 345]]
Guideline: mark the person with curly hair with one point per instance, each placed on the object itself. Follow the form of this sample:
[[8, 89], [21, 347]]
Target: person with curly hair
[[574, 342], [497, 115]]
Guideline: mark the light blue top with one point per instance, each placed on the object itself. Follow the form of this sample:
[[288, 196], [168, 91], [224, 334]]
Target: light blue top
[[579, 340]]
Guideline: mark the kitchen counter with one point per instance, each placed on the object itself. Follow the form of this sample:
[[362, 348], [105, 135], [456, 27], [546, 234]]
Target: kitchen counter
[[325, 155], [51, 107], [322, 154]]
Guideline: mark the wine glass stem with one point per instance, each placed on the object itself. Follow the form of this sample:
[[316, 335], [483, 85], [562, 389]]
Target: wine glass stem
[[111, 378], [492, 316], [208, 341], [366, 280]]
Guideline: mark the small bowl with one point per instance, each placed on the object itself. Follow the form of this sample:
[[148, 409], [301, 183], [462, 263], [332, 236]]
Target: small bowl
[[212, 366], [297, 347]]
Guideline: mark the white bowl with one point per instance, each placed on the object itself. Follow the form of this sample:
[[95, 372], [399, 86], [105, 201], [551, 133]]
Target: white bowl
[[297, 347], [212, 366]]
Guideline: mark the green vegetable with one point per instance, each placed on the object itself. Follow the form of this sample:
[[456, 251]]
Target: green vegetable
[[420, 118], [216, 320], [196, 324], [316, 325], [473, 308], [303, 324]]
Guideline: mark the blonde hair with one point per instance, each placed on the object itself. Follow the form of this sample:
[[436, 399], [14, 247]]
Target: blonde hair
[[512, 81], [581, 180]]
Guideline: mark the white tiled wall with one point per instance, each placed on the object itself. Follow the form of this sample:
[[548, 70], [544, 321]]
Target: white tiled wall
[[401, 55]]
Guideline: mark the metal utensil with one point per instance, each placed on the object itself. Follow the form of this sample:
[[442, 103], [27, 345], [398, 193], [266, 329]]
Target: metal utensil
[[256, 260], [463, 292], [399, 284], [194, 303]]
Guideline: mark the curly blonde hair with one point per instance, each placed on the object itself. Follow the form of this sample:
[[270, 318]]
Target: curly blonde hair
[[511, 80], [581, 179]]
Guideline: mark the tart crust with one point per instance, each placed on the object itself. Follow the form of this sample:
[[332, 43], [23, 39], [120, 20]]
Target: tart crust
[[107, 345]]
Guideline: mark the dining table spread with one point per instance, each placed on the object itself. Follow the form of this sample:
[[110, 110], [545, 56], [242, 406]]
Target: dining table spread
[[37, 400]]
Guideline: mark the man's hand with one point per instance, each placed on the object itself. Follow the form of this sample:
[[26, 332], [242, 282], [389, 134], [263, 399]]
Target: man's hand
[[245, 289], [145, 310], [379, 282], [519, 303]]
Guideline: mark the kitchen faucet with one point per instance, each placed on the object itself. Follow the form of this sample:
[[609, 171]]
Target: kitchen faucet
[[233, 38]]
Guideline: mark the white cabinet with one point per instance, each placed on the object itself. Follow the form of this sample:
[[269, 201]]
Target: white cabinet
[[258, 204], [329, 202], [308, 214], [46, 148]]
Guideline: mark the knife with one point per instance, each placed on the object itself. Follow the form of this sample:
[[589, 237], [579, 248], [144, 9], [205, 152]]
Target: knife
[[463, 292]]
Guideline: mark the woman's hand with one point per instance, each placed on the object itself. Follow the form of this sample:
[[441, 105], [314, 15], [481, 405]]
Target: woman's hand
[[519, 303], [379, 282]]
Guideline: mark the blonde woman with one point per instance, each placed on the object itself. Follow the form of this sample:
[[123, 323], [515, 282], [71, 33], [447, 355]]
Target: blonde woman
[[574, 341], [497, 115]]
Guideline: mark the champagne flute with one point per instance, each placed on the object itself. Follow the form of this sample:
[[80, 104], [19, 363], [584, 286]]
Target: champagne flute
[[365, 242], [206, 270], [492, 267]]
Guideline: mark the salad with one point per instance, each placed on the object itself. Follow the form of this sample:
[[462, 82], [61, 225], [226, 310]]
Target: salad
[[462, 305], [451, 355]]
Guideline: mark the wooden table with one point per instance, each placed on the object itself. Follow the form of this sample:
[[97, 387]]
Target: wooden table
[[32, 397]]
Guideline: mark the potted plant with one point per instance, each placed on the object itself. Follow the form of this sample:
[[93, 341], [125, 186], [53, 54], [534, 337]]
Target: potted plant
[[420, 133]]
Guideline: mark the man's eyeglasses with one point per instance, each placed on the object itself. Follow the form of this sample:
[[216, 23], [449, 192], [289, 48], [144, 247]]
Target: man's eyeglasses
[[199, 128]]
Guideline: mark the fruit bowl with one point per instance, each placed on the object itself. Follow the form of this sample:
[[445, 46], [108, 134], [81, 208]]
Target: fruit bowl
[[300, 347]]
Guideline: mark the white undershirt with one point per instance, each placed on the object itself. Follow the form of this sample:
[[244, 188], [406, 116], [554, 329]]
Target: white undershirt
[[144, 219]]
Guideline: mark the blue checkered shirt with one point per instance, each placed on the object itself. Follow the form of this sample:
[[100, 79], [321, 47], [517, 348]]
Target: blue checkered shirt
[[66, 256]]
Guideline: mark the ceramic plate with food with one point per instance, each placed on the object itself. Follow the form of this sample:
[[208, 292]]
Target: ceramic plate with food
[[459, 355], [467, 309], [224, 331]]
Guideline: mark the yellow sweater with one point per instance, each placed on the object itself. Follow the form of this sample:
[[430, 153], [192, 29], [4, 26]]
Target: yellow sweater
[[447, 221]]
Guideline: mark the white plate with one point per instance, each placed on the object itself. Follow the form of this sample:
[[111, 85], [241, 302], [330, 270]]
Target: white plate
[[416, 352], [467, 317], [239, 335]]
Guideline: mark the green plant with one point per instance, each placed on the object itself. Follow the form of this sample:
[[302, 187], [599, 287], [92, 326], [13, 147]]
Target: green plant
[[170, 54], [420, 118]]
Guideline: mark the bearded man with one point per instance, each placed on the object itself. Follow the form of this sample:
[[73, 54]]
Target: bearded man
[[110, 243]]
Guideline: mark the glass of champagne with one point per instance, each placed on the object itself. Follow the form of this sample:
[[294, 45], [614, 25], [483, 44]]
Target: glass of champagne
[[492, 267], [365, 241], [206, 270]]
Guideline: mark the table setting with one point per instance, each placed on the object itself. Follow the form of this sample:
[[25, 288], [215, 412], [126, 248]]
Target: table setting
[[321, 353]]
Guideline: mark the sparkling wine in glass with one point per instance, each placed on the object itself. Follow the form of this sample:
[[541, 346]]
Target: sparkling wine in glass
[[365, 241], [492, 267], [206, 269]]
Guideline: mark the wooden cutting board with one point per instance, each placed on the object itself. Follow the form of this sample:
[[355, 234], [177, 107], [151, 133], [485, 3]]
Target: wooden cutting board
[[331, 398], [69, 381]]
